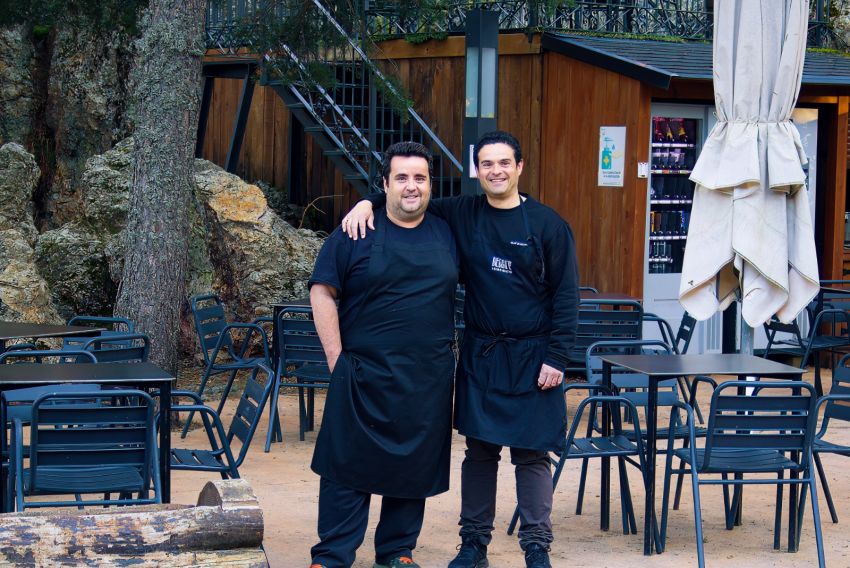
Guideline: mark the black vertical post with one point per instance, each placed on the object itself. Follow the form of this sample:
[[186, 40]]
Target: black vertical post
[[240, 122], [203, 118], [482, 80]]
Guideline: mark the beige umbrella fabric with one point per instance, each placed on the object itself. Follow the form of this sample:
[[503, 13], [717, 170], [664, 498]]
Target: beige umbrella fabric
[[751, 225]]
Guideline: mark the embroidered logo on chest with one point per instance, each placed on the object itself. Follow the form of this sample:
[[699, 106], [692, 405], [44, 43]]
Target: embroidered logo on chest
[[519, 244], [501, 265]]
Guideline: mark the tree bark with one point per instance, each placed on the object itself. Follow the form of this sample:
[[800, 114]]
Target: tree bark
[[167, 92]]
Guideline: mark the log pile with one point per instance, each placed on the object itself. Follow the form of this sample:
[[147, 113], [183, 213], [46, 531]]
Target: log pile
[[224, 529]]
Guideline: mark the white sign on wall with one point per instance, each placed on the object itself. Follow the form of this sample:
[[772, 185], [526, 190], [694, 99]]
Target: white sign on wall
[[612, 152]]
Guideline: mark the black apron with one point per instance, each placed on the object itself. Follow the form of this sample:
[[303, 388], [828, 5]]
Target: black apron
[[497, 398], [387, 421]]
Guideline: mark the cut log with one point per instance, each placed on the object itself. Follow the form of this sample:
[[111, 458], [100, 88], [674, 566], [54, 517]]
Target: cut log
[[225, 529]]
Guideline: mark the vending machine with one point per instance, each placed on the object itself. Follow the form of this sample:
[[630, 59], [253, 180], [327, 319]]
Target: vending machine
[[678, 132]]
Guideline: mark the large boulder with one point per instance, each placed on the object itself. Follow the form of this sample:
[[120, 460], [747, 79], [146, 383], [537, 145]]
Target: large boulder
[[24, 295], [16, 92], [73, 260], [86, 107], [18, 178], [259, 259]]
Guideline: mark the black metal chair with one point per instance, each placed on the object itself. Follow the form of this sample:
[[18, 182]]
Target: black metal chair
[[216, 338], [219, 456], [680, 342], [603, 320], [817, 341], [596, 445], [302, 365], [768, 433], [113, 325], [836, 407], [81, 444]]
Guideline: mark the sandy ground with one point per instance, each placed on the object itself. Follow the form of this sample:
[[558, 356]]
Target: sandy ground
[[288, 491]]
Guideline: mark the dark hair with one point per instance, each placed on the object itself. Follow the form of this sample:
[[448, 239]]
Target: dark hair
[[497, 137], [406, 150]]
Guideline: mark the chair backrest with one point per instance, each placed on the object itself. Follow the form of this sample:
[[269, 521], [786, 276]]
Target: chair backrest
[[779, 415], [838, 409], [24, 356], [606, 321], [588, 289], [113, 325], [774, 326], [250, 409], [298, 342], [208, 313], [685, 334], [69, 432], [127, 347]]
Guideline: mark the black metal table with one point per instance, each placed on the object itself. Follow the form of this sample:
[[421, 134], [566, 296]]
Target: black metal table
[[24, 330], [662, 367], [144, 376]]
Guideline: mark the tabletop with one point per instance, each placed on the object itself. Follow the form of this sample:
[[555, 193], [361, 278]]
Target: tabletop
[[705, 364], [18, 330], [135, 373]]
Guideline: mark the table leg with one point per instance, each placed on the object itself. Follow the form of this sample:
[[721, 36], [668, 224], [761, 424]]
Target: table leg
[[649, 521], [605, 478], [4, 472], [165, 440]]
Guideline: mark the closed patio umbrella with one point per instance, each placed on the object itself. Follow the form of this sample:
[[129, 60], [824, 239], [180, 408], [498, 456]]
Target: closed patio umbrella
[[751, 225]]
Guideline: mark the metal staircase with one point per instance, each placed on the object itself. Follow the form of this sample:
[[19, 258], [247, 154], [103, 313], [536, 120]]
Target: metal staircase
[[347, 104]]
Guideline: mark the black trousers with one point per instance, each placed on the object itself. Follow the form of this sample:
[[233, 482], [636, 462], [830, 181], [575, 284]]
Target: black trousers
[[478, 492], [343, 516]]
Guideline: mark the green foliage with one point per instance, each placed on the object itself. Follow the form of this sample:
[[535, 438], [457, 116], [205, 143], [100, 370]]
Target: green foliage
[[101, 15]]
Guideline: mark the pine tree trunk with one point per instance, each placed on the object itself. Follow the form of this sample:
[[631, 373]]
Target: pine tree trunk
[[167, 92]]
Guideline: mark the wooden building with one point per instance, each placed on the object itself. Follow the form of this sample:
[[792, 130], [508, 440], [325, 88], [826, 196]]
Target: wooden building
[[555, 92]]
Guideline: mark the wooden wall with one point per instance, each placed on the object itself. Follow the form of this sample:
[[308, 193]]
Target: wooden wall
[[609, 223]]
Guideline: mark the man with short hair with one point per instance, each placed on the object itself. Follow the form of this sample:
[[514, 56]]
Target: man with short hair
[[387, 420], [519, 263]]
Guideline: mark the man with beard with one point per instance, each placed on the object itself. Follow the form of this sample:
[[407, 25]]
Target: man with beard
[[387, 420], [518, 260]]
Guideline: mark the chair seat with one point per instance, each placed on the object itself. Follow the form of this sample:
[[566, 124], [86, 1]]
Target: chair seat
[[237, 364], [739, 461], [312, 373], [821, 445], [602, 446], [85, 480], [204, 460]]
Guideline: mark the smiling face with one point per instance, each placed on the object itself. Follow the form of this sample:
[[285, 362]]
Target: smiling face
[[498, 172], [408, 189]]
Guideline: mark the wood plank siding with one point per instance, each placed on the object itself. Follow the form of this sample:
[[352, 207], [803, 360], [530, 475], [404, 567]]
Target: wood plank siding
[[608, 222]]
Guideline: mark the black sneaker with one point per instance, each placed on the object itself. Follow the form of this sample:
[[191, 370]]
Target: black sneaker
[[471, 554], [537, 556]]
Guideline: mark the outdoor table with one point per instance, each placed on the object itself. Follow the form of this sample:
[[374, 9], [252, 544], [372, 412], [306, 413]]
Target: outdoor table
[[144, 376], [662, 367], [24, 330]]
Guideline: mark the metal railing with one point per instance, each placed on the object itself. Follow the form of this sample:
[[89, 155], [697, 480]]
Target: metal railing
[[352, 101]]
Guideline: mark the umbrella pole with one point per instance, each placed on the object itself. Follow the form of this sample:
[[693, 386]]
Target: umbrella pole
[[747, 338]]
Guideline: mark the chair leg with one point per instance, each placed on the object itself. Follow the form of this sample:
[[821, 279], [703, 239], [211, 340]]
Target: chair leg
[[274, 420], [582, 480], [514, 520], [777, 522], [680, 477], [816, 518], [727, 504], [302, 414], [226, 391], [800, 513], [697, 518], [204, 378], [311, 405], [738, 501], [628, 513], [825, 484], [665, 497]]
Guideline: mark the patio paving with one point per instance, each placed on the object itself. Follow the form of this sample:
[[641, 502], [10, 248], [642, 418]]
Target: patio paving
[[288, 491]]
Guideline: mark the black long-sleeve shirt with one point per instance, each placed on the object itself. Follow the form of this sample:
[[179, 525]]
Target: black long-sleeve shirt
[[517, 307]]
